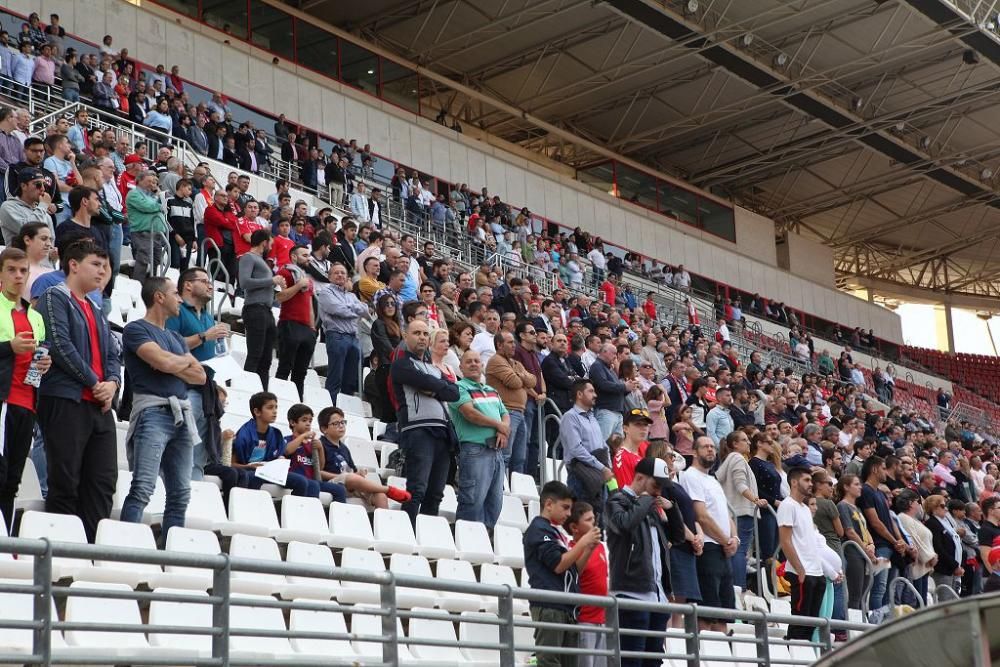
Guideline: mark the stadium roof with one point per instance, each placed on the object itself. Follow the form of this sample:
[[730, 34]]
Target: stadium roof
[[868, 124]]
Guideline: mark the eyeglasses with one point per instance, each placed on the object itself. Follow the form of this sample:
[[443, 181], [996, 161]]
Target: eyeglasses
[[339, 422]]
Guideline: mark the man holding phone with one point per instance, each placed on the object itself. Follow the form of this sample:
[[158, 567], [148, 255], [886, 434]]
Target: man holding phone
[[482, 424], [21, 327]]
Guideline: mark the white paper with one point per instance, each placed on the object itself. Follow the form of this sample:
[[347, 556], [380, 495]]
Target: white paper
[[275, 471]]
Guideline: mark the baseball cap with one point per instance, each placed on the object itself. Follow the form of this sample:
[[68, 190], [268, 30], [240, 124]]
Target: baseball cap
[[655, 468], [132, 158], [637, 417]]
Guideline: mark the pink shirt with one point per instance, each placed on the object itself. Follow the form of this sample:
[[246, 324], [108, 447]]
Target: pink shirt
[[45, 70]]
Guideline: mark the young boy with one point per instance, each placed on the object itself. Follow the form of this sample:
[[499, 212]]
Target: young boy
[[552, 565], [337, 465], [180, 215], [282, 244], [593, 581], [257, 442], [301, 446]]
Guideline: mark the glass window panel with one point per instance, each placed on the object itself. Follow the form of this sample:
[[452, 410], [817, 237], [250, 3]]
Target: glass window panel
[[359, 68], [226, 15], [271, 29], [717, 219], [636, 186], [678, 204], [600, 176], [399, 86], [316, 49], [189, 7]]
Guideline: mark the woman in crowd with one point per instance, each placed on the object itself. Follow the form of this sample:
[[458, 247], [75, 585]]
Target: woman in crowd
[[685, 432], [634, 400], [740, 486], [439, 348], [386, 335], [948, 570], [768, 481], [35, 239], [697, 402], [460, 338], [657, 403], [908, 509], [465, 297], [855, 530]]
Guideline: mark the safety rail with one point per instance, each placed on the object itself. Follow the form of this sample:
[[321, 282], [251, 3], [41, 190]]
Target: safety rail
[[43, 624]]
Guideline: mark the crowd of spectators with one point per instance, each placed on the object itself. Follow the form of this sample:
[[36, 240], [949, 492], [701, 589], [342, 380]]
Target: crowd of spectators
[[679, 446]]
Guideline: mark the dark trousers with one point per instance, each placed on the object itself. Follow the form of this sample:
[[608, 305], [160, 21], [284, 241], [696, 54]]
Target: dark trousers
[[180, 258], [82, 454], [230, 477], [642, 620], [260, 331], [806, 600], [343, 356], [295, 349], [18, 426], [428, 457], [553, 637]]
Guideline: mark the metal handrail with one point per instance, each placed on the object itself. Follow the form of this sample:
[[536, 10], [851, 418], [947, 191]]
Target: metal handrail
[[869, 575], [543, 446]]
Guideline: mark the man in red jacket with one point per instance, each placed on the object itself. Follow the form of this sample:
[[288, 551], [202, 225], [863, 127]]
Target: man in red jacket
[[221, 227]]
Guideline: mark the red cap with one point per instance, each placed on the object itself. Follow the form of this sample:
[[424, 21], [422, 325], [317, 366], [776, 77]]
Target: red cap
[[132, 158]]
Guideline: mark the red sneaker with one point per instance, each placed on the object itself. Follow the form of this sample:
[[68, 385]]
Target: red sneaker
[[398, 494]]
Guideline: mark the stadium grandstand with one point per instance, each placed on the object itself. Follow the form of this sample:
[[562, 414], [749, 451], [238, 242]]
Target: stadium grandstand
[[453, 332]]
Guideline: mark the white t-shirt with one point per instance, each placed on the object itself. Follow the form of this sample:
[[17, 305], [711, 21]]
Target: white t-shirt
[[706, 489], [482, 343], [797, 516], [597, 259]]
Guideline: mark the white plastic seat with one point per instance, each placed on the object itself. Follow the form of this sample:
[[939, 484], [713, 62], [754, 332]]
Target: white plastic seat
[[363, 452], [394, 532], [440, 630], [309, 587], [457, 570], [10, 567], [716, 645], [472, 543], [285, 390], [449, 504], [512, 514], [802, 652], [245, 615], [114, 612], [206, 510], [21, 607], [675, 646], [303, 520], [417, 566], [368, 624], [307, 620], [478, 633], [357, 427], [190, 540], [508, 544], [257, 548], [523, 487], [181, 614], [153, 513], [351, 405], [29, 493], [350, 527], [251, 512], [136, 536], [356, 592], [383, 459], [434, 538], [58, 528], [501, 575]]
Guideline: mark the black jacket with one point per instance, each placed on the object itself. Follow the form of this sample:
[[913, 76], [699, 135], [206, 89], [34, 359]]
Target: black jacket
[[630, 547], [610, 388], [944, 547], [559, 378]]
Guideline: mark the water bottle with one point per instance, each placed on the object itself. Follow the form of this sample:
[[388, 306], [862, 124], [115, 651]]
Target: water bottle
[[33, 376]]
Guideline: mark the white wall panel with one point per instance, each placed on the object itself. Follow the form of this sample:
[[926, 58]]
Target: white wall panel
[[122, 25], [236, 80], [311, 105], [440, 159], [378, 128], [515, 194], [477, 177], [87, 20], [27, 6], [458, 156], [207, 67], [689, 253], [399, 141], [151, 47], [180, 52], [602, 216], [770, 284], [356, 121], [585, 209], [66, 9], [496, 176], [570, 209], [334, 123], [553, 200], [420, 146]]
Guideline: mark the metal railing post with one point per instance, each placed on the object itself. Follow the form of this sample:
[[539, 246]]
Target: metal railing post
[[756, 550], [614, 642], [220, 612], [691, 642], [763, 648], [42, 636], [505, 612], [387, 595]]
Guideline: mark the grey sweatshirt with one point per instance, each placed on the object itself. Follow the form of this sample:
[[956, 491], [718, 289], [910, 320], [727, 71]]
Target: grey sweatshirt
[[257, 280]]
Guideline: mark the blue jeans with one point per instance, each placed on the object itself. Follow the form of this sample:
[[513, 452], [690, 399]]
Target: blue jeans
[[517, 444], [532, 413], [767, 534], [840, 600], [480, 483], [159, 446], [610, 422], [879, 596], [114, 255], [300, 485], [343, 355], [199, 455], [630, 619], [71, 94], [744, 530], [428, 459]]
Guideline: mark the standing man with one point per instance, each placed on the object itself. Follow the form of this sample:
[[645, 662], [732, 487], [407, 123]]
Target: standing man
[[258, 283], [162, 428], [11, 148], [719, 422], [512, 380], [482, 425], [483, 342], [296, 329], [74, 407], [147, 225], [804, 567], [588, 461], [610, 389], [715, 572], [21, 327], [883, 528], [642, 524], [425, 435], [526, 352], [340, 311]]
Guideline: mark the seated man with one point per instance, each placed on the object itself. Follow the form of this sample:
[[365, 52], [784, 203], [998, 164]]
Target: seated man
[[257, 442], [337, 464]]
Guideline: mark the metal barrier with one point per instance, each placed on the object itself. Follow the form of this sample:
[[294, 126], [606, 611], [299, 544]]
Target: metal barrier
[[869, 575], [43, 623]]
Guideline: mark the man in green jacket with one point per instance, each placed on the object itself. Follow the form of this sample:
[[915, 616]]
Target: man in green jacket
[[147, 223]]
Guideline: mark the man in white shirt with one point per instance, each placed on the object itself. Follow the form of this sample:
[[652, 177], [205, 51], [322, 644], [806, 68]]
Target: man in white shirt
[[482, 342], [682, 279], [715, 572], [359, 204], [598, 262], [804, 568]]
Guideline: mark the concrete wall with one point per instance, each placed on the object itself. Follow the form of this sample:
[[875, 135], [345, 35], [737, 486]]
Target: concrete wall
[[806, 258], [156, 35]]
